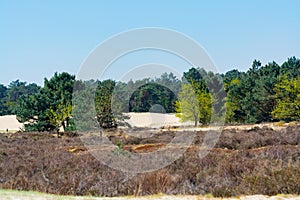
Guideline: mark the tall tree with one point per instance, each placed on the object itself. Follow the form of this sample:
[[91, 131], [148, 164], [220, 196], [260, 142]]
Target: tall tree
[[50, 107], [150, 94], [288, 99], [264, 90], [109, 113], [193, 105], [16, 89], [290, 68], [59, 91], [103, 97], [195, 76], [3, 98], [250, 101], [83, 102], [234, 110]]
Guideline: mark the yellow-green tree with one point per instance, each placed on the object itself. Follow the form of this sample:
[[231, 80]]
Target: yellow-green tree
[[233, 107], [288, 99], [193, 105], [60, 115]]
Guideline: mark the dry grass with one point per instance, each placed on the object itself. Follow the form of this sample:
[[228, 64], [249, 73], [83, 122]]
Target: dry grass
[[257, 161]]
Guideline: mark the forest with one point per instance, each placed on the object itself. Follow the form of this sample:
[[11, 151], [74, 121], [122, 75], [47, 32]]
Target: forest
[[261, 94]]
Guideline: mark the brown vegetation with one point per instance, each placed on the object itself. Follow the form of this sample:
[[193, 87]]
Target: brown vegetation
[[258, 161]]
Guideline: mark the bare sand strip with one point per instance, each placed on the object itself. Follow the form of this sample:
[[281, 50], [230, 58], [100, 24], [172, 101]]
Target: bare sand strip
[[144, 120], [149, 120], [155, 120], [10, 123]]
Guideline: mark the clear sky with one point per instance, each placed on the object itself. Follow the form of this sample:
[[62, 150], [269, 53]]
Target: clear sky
[[38, 38]]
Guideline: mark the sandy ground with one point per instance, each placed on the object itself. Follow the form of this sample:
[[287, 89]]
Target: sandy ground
[[149, 120], [10, 123], [153, 120]]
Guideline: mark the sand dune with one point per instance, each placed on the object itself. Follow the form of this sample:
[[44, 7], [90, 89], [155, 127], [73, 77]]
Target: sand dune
[[153, 120], [149, 120], [10, 123]]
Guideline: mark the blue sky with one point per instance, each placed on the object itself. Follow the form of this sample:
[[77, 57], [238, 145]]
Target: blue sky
[[38, 38]]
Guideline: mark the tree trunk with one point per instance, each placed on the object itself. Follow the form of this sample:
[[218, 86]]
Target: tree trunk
[[64, 126], [196, 120]]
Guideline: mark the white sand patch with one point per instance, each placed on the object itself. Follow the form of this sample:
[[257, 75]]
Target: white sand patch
[[10, 123], [154, 120], [148, 120]]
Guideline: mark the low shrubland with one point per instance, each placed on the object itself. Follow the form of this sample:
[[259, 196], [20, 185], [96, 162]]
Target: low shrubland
[[256, 161]]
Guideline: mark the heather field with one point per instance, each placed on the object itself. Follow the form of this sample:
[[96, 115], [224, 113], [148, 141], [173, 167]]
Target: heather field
[[259, 160]]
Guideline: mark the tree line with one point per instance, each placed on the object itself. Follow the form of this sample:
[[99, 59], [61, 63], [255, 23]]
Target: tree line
[[261, 94]]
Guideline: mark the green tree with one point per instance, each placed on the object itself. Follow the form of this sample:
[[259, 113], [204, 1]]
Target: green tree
[[3, 98], [142, 95], [109, 114], [288, 99], [229, 76], [17, 89], [264, 90], [290, 68], [33, 113], [83, 101], [249, 102], [150, 94], [103, 97], [171, 81], [59, 91], [234, 110], [41, 110], [215, 87], [196, 76], [60, 116], [193, 105], [193, 75], [250, 95]]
